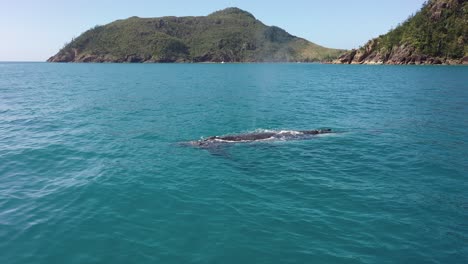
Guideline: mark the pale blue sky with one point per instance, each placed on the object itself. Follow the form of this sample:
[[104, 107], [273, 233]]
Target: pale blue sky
[[33, 30]]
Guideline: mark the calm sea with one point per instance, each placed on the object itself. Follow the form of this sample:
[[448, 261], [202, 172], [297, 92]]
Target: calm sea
[[91, 169]]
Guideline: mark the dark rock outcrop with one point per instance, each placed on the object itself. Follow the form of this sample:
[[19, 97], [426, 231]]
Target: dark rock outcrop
[[465, 60]]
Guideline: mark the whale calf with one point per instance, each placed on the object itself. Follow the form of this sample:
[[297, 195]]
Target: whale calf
[[257, 136]]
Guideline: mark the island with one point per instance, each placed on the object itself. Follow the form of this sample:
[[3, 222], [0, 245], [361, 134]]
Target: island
[[229, 35]]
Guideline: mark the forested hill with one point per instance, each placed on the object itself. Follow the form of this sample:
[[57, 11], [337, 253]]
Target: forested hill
[[230, 35], [437, 34]]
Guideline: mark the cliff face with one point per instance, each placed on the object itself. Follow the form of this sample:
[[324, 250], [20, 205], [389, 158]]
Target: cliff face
[[230, 35], [437, 34]]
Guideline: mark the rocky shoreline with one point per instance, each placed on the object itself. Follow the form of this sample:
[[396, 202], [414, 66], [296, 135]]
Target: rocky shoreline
[[75, 56], [401, 55]]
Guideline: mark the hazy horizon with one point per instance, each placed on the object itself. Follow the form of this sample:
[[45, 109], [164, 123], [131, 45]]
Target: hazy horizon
[[34, 31]]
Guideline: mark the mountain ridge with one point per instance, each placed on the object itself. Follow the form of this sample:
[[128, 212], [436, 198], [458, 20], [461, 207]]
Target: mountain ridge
[[229, 35]]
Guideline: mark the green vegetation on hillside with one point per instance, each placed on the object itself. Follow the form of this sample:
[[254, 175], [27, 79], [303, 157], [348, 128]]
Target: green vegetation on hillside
[[437, 34], [230, 35], [439, 29]]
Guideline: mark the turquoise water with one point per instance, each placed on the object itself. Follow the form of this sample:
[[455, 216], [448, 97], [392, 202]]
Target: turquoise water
[[91, 169]]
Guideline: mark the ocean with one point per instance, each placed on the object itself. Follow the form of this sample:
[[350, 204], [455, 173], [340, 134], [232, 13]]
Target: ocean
[[93, 169]]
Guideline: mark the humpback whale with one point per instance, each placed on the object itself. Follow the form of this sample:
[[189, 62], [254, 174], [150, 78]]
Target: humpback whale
[[214, 141]]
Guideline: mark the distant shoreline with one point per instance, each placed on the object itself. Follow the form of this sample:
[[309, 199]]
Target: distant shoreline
[[229, 63]]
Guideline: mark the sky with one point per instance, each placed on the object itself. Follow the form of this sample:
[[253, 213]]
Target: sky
[[34, 30]]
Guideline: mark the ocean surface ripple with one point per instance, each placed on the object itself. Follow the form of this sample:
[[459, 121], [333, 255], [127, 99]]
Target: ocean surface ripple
[[91, 169]]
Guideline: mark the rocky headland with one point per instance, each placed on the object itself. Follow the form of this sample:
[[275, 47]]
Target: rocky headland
[[437, 34]]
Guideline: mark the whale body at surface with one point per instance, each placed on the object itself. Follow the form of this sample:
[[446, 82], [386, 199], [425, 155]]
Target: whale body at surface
[[257, 136]]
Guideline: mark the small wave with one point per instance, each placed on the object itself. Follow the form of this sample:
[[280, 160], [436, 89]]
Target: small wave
[[290, 132], [262, 130], [277, 131], [241, 141], [328, 135]]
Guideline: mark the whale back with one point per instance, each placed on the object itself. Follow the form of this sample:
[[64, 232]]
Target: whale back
[[216, 141]]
